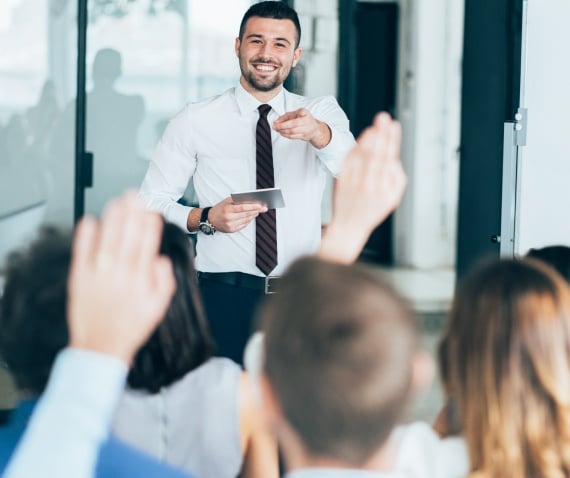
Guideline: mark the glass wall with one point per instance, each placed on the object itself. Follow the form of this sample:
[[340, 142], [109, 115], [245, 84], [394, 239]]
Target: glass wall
[[145, 60], [37, 79]]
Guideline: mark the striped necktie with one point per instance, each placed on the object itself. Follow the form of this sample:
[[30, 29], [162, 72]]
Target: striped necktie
[[265, 224]]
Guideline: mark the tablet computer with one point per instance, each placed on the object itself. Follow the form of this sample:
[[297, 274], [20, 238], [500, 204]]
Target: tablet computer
[[271, 197]]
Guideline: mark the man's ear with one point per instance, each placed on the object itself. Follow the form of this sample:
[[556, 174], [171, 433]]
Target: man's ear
[[423, 371], [236, 46], [296, 56]]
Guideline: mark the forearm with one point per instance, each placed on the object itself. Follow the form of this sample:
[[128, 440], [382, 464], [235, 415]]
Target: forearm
[[341, 244], [193, 219]]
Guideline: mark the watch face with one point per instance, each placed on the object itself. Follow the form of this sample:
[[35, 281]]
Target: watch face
[[206, 228]]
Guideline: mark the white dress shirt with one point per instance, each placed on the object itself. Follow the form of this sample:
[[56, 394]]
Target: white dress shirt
[[72, 418], [416, 451], [213, 141]]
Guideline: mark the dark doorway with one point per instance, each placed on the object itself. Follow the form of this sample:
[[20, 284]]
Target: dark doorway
[[367, 82], [490, 96]]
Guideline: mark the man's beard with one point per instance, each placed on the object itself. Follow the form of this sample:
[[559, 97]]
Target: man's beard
[[250, 78], [259, 86]]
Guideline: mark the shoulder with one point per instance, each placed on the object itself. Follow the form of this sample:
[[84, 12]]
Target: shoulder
[[120, 460], [210, 103], [418, 447], [217, 372], [322, 107], [294, 99], [198, 115]]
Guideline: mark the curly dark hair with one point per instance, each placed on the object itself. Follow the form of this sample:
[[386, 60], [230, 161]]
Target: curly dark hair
[[33, 326]]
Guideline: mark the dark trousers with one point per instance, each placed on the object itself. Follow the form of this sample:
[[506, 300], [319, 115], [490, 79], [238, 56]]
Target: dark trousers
[[230, 311]]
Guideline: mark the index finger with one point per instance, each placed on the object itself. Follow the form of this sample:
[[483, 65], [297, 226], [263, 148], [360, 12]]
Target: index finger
[[287, 116]]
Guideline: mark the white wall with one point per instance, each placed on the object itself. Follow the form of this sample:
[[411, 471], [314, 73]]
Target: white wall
[[544, 163], [429, 93], [319, 41]]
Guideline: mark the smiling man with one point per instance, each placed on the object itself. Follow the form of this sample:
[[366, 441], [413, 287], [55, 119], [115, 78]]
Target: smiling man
[[254, 136]]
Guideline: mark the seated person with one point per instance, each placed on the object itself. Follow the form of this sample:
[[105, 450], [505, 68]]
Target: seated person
[[341, 363], [505, 361], [185, 407], [32, 332], [105, 330]]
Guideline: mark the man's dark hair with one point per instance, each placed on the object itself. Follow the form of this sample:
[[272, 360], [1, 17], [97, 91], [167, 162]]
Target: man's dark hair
[[339, 344], [271, 9], [555, 256], [33, 326], [182, 340]]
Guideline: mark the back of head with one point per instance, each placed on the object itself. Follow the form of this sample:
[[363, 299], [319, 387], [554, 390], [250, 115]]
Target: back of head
[[339, 345], [33, 327], [277, 10], [182, 340], [506, 356], [555, 256]]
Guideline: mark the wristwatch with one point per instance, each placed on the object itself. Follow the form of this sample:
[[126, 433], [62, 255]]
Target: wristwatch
[[204, 225]]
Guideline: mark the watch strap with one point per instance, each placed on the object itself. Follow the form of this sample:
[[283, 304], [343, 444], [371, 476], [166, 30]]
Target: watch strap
[[204, 216]]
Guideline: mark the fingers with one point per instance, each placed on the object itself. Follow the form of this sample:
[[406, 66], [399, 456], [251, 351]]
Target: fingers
[[149, 242], [229, 217], [116, 222], [247, 207], [294, 123], [238, 221], [395, 142], [119, 286], [290, 115], [164, 284]]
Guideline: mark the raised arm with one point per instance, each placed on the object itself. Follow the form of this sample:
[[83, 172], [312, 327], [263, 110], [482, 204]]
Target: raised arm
[[369, 187], [119, 289]]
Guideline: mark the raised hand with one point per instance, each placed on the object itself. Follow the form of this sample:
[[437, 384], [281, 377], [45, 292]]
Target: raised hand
[[370, 186], [119, 286], [301, 124]]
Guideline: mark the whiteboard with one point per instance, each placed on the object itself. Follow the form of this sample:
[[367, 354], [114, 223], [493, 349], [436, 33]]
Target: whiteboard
[[543, 164]]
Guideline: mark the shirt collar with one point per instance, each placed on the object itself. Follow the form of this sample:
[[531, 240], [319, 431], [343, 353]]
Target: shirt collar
[[247, 103]]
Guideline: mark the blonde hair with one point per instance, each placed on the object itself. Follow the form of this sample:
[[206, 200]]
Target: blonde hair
[[506, 357]]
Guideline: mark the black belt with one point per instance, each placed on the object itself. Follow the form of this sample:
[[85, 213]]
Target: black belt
[[239, 279]]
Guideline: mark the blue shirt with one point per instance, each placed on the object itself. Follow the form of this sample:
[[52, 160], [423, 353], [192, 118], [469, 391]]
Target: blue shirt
[[68, 431], [116, 459]]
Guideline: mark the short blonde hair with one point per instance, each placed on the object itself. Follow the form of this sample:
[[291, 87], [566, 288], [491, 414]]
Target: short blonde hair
[[339, 350]]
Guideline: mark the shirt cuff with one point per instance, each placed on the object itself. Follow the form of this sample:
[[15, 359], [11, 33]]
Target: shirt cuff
[[178, 214], [88, 385], [333, 153], [97, 378]]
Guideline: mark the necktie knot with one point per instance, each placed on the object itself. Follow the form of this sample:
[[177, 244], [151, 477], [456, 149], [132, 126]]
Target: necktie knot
[[264, 110]]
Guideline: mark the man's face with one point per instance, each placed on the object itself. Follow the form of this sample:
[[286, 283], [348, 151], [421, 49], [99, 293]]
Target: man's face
[[267, 52]]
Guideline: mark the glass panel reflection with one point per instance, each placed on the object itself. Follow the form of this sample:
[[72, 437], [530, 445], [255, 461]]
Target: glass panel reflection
[[145, 60], [37, 77]]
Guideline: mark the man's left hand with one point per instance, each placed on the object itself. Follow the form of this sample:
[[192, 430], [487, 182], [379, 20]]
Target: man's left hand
[[301, 124]]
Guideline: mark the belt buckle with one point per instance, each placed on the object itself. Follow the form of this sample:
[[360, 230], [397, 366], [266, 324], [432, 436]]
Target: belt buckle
[[268, 280]]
